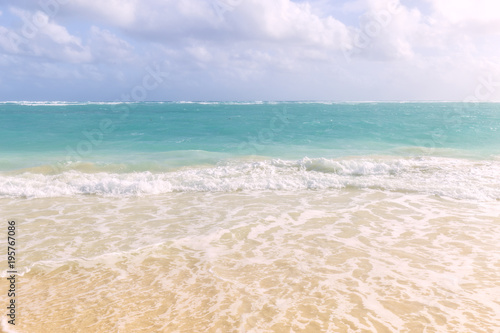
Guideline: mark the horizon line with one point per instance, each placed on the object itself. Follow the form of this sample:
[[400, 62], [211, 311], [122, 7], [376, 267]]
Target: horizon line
[[238, 101]]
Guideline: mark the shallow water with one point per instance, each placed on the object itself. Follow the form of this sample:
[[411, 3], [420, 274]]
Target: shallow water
[[308, 261]]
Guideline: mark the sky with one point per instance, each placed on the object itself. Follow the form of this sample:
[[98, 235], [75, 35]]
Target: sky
[[249, 50]]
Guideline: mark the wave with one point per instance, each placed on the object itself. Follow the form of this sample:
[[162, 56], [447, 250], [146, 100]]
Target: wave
[[460, 179], [58, 103]]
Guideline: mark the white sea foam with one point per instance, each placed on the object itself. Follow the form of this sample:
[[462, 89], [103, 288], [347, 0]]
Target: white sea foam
[[6, 327], [460, 179]]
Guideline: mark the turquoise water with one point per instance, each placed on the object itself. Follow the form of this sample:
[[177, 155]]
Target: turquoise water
[[238, 128], [335, 142]]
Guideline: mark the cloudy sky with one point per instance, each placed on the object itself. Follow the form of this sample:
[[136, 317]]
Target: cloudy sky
[[110, 50]]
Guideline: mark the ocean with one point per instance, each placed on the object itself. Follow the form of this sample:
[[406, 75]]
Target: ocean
[[252, 217]]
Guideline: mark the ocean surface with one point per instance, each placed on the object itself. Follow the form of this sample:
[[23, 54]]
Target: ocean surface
[[252, 217]]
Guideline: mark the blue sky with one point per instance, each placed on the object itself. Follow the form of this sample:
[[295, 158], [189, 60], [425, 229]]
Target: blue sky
[[117, 50]]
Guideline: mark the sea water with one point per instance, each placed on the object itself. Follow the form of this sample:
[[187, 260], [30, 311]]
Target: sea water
[[252, 217]]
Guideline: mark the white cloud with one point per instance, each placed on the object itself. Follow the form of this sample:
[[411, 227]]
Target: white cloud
[[108, 48], [287, 22], [41, 37], [117, 12], [386, 32], [57, 33], [168, 20], [465, 11], [7, 41]]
